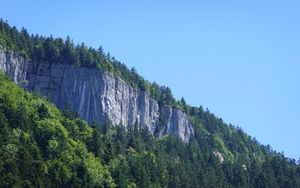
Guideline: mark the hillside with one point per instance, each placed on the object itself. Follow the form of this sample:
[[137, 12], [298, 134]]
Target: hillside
[[42, 146], [96, 93]]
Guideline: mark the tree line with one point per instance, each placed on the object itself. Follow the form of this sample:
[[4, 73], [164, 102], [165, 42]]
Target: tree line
[[39, 49]]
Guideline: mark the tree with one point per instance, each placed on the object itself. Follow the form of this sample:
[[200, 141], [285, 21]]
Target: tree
[[166, 97], [68, 53], [43, 112], [155, 91], [184, 105]]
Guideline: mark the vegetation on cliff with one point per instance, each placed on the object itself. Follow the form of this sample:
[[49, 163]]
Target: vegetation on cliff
[[41, 49], [43, 147]]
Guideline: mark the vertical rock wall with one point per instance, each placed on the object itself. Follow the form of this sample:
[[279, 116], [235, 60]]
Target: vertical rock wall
[[95, 95]]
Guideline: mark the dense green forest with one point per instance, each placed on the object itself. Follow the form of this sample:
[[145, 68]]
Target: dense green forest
[[41, 146]]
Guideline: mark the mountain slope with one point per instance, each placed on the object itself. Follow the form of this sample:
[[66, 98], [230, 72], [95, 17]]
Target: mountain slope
[[67, 152], [78, 77], [95, 95], [40, 147], [37, 148]]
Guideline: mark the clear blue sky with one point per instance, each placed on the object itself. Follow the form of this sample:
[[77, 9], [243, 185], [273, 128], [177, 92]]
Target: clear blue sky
[[240, 59]]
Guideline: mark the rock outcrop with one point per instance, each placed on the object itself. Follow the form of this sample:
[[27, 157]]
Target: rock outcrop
[[95, 95]]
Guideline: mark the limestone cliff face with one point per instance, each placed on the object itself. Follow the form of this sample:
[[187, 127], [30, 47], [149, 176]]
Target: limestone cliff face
[[95, 95]]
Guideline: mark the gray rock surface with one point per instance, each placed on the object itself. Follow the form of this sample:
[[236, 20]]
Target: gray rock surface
[[95, 95]]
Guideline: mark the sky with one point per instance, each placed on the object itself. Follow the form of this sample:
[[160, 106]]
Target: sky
[[239, 59]]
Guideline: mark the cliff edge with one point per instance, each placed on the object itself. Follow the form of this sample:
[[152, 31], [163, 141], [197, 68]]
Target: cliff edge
[[95, 95]]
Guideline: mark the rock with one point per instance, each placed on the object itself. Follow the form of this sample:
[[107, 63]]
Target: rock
[[14, 66], [244, 167], [219, 156], [95, 95]]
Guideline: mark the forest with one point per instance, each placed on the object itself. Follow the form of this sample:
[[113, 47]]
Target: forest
[[41, 146]]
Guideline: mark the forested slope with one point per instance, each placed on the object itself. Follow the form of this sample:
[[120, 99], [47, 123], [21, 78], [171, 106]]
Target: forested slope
[[43, 147]]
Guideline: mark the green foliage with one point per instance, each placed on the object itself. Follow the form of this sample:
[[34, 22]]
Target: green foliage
[[51, 50], [38, 150], [42, 147]]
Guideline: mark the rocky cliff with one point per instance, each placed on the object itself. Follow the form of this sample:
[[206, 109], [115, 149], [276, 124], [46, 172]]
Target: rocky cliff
[[95, 95]]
